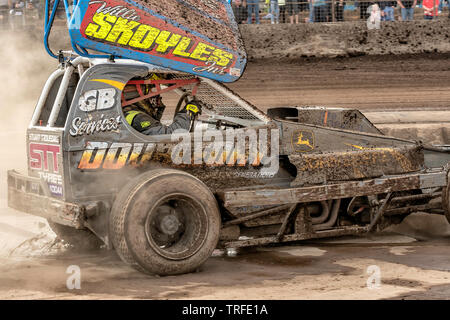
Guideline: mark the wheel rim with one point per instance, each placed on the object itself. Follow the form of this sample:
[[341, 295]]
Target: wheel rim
[[176, 226]]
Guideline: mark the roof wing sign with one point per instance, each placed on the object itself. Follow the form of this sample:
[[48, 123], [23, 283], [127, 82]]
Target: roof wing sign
[[195, 36]]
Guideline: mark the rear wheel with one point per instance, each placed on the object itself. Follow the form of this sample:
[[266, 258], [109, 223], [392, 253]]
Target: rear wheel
[[168, 224]]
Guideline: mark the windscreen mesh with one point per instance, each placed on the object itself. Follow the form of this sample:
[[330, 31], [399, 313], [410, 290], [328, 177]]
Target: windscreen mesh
[[220, 104]]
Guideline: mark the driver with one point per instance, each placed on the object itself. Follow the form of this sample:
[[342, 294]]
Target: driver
[[145, 115]]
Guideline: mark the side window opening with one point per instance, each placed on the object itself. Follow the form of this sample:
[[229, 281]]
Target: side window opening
[[155, 96], [220, 108]]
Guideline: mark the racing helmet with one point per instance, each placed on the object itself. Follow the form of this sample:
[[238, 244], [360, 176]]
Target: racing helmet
[[136, 90]]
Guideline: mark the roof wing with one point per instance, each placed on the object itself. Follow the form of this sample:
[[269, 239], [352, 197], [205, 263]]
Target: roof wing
[[199, 37]]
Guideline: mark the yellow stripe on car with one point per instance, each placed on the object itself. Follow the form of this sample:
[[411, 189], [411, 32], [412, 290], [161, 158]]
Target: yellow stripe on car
[[117, 84]]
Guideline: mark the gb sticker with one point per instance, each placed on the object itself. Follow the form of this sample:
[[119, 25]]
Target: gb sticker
[[101, 99]]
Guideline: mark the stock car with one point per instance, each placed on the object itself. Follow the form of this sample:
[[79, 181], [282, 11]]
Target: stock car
[[165, 202]]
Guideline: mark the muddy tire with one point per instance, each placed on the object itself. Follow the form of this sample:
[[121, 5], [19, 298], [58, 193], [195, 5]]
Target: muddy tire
[[80, 240], [446, 197], [446, 203], [165, 222], [117, 222]]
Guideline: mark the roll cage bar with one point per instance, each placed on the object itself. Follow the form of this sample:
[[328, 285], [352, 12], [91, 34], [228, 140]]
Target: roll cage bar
[[49, 18], [157, 90]]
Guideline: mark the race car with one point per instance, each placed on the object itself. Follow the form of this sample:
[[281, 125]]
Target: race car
[[234, 177], [165, 202]]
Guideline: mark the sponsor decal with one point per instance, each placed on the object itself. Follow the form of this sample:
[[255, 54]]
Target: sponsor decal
[[235, 72], [51, 178], [303, 141], [90, 126], [42, 137], [93, 100], [40, 154], [56, 190], [134, 29], [211, 66], [114, 156], [54, 182], [44, 159], [117, 11], [231, 147], [367, 148], [242, 148]]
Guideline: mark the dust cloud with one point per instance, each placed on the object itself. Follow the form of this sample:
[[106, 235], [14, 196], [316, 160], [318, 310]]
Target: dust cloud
[[24, 68]]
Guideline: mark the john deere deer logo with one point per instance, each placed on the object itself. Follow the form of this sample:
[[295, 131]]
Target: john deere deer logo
[[303, 141]]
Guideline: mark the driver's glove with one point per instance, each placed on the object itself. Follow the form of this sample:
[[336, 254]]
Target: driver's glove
[[193, 109]]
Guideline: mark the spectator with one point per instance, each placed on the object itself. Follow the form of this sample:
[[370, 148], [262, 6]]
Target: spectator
[[274, 11], [253, 6], [303, 6], [363, 5], [320, 11], [373, 22], [292, 10], [407, 8], [387, 10], [17, 4], [329, 11], [311, 11], [4, 10], [441, 6], [448, 6], [239, 10], [282, 5], [17, 18], [339, 10], [430, 9]]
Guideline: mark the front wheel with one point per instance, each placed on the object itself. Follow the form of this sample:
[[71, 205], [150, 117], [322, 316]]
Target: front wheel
[[171, 222], [446, 198], [446, 203]]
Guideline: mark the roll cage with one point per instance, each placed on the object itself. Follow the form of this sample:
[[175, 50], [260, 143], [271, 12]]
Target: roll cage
[[221, 104]]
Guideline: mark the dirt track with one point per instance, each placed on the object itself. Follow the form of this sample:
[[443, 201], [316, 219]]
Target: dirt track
[[314, 270], [304, 271], [368, 82]]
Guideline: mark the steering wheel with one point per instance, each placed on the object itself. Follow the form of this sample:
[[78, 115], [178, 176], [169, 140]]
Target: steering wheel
[[184, 98]]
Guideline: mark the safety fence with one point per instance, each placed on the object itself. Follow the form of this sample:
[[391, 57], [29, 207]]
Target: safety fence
[[18, 13], [304, 11]]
